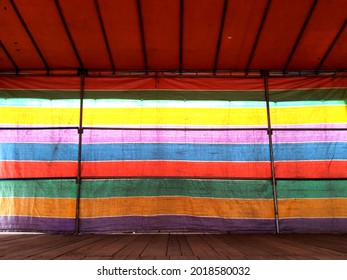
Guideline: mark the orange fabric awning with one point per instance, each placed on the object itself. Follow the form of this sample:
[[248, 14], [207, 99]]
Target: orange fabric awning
[[174, 35]]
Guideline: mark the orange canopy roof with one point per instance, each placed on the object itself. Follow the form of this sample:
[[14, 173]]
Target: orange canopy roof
[[173, 35]]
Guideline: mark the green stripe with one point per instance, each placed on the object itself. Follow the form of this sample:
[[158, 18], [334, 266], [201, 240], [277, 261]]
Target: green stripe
[[239, 95], [44, 94], [176, 187], [178, 95], [311, 189], [309, 94], [38, 188]]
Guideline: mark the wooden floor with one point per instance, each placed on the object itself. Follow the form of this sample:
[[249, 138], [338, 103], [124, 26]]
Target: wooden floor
[[172, 246]]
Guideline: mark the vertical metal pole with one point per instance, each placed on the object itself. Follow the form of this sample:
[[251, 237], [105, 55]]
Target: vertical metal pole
[[80, 132], [269, 132]]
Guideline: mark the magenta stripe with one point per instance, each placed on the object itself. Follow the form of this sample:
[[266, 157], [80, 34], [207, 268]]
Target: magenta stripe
[[169, 136], [39, 136], [174, 136]]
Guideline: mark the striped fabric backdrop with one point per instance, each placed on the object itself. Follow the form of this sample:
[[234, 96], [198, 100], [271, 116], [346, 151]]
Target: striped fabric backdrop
[[162, 154], [318, 204]]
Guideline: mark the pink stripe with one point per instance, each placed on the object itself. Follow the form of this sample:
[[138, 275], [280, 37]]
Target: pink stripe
[[168, 136]]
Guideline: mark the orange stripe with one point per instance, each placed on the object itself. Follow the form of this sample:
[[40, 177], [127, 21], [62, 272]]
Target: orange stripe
[[313, 208], [38, 207], [207, 207]]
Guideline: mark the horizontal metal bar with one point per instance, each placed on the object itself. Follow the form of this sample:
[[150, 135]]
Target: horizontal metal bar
[[38, 178], [107, 73], [175, 128], [309, 179], [39, 128], [175, 177], [309, 129], [171, 129], [216, 129]]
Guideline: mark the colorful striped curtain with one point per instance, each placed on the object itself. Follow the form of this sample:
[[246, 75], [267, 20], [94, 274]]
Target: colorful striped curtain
[[172, 154]]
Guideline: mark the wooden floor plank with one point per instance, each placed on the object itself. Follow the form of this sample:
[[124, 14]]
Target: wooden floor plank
[[157, 246], [136, 247], [240, 243], [174, 247], [184, 246], [199, 246], [283, 246], [324, 242], [67, 249], [221, 247], [20, 250], [310, 245], [116, 244]]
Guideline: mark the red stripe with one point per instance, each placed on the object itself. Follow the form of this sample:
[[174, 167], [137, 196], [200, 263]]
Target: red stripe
[[178, 169], [311, 169], [173, 84], [73, 83], [26, 169], [305, 169], [32, 83]]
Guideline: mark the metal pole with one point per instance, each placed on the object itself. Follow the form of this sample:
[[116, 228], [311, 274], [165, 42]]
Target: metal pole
[[80, 132], [269, 132]]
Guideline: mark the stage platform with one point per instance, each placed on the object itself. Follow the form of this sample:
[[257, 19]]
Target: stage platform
[[173, 247]]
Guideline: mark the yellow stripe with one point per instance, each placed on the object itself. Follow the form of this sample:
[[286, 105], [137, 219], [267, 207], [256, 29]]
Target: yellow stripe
[[174, 116], [38, 207], [312, 207], [207, 207], [44, 116], [309, 114]]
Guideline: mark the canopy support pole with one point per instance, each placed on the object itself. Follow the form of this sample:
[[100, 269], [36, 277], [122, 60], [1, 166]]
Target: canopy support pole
[[269, 132], [80, 132]]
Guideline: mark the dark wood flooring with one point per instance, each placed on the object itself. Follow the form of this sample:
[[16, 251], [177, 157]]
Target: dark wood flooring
[[172, 247]]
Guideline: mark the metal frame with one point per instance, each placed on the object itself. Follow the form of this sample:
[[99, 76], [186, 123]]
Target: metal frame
[[73, 72], [30, 35], [221, 29], [142, 31], [97, 7], [67, 31], [272, 161], [331, 45], [302, 31], [81, 128], [267, 8], [9, 57], [79, 157]]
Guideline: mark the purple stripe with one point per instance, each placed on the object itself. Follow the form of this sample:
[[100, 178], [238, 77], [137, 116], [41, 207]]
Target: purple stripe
[[309, 136], [314, 225], [39, 224], [39, 136], [175, 224], [167, 136]]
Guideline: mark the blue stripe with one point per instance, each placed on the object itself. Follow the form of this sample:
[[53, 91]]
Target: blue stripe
[[107, 152], [310, 151], [165, 151], [40, 152]]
